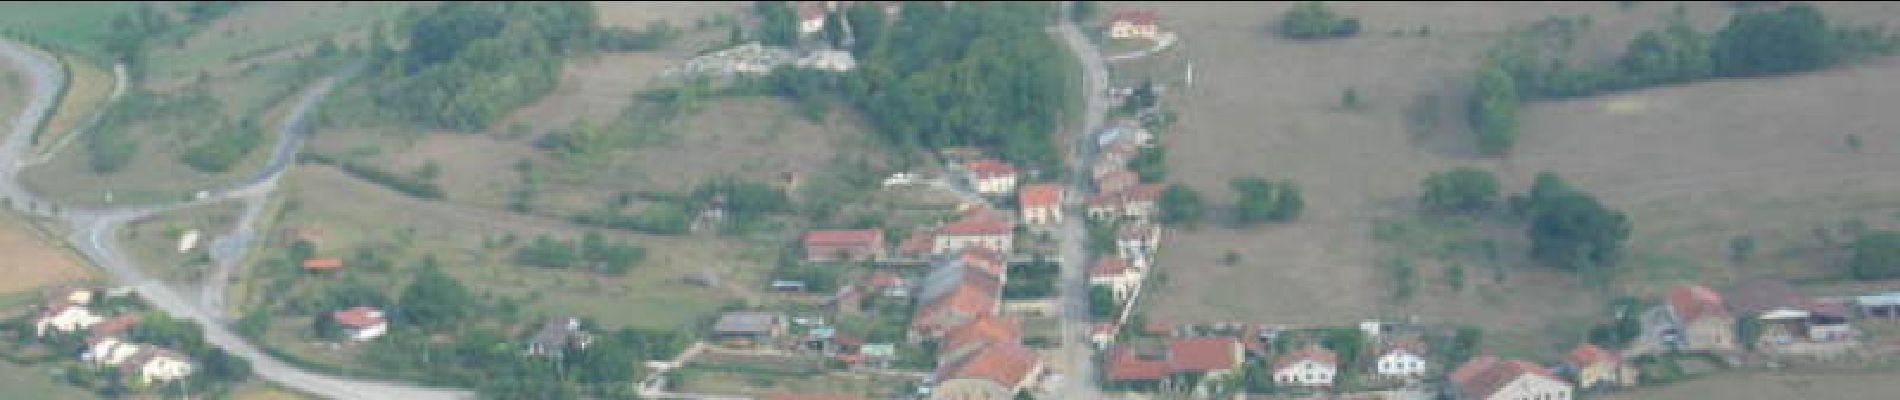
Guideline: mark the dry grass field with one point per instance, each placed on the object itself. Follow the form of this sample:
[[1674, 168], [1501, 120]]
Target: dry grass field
[[34, 261], [153, 243], [1766, 386], [89, 86], [1264, 105]]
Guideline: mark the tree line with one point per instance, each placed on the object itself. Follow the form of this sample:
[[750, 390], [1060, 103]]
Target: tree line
[[468, 63], [1536, 62]]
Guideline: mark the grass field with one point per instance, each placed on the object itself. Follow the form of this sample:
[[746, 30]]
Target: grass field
[[78, 26], [34, 261], [1766, 386], [154, 243], [32, 383], [1744, 143], [266, 31], [88, 87]]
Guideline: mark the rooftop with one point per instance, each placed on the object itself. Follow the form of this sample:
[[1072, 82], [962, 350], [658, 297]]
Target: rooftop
[[359, 317], [1310, 353], [1485, 375], [323, 264], [844, 236], [1040, 195], [747, 322], [1588, 354], [1006, 363], [989, 168]]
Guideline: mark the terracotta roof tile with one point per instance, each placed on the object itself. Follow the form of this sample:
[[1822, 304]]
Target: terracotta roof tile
[[1313, 353], [1691, 301], [1206, 353], [984, 330], [989, 168], [1040, 195], [977, 228], [1108, 267], [854, 237], [1125, 365], [358, 317], [1483, 376], [1009, 364], [1589, 354], [323, 264]]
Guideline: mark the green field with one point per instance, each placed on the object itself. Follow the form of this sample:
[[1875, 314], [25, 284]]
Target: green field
[[260, 30], [23, 382], [75, 26]]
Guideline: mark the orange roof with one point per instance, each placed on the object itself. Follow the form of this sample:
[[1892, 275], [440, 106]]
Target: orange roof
[[1006, 363], [885, 279], [851, 237], [978, 228], [985, 329], [1312, 353], [1040, 195], [358, 317], [1108, 267], [1202, 354], [794, 396], [1483, 376], [985, 259], [989, 168], [972, 298], [323, 264], [1125, 365], [918, 243], [1589, 354], [114, 326], [1691, 301], [810, 10]]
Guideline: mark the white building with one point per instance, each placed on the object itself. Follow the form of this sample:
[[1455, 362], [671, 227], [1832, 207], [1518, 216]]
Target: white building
[[159, 365], [62, 317], [1401, 359], [361, 323], [1307, 367], [188, 241]]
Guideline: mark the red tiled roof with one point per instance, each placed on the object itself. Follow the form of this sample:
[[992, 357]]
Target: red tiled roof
[[1690, 301], [885, 279], [1118, 179], [1135, 17], [1125, 365], [972, 298], [985, 259], [1589, 354], [1314, 353], [1201, 354], [1104, 328], [1144, 192], [1483, 376], [985, 329], [918, 243], [114, 326], [358, 317], [989, 168], [1040, 195], [1108, 267], [853, 237], [794, 396], [977, 228], [1407, 345], [323, 264], [1006, 363], [809, 10]]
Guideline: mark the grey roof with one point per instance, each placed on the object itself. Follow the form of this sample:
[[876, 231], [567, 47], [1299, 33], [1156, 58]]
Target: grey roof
[[1887, 299], [557, 332], [944, 276], [747, 322]]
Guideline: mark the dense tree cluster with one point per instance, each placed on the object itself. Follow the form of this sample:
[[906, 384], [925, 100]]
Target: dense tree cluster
[[1260, 200], [467, 63], [1569, 228], [1876, 256], [1032, 280], [226, 146], [593, 252], [434, 300], [1312, 20], [778, 23], [1180, 204], [1463, 189]]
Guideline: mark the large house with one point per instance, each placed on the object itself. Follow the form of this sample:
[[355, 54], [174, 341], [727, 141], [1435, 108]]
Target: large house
[[361, 323], [556, 336], [990, 177], [1137, 241], [811, 16], [1401, 358], [1116, 180], [1133, 25], [1041, 204], [958, 290], [980, 332], [1492, 378], [996, 372], [1594, 366], [989, 234], [1306, 367], [1787, 316], [1214, 357], [1701, 318], [157, 365], [1136, 203], [844, 245], [1118, 275], [748, 328], [64, 317]]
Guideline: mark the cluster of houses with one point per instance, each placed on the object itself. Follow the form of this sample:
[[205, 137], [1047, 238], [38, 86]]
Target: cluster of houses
[[1122, 201], [69, 311], [1695, 317]]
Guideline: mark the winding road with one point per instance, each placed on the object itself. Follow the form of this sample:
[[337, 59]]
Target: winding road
[[92, 232]]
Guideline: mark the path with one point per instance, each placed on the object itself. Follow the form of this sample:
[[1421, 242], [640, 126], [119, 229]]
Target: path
[[92, 233], [1079, 380]]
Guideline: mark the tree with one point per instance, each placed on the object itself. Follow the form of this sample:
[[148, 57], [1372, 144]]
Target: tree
[[1312, 20], [1255, 200], [834, 29], [1493, 111], [1570, 229], [1288, 203], [778, 24], [1740, 248], [1462, 189], [1180, 205], [1455, 277], [1102, 304], [1349, 99], [1760, 42], [435, 300], [1876, 255], [1150, 163], [1464, 345], [1083, 10], [1853, 143]]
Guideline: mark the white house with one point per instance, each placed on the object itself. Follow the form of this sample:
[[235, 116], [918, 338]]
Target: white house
[[1306, 367], [1041, 204], [188, 241], [991, 177], [161, 365], [1133, 25], [1137, 241], [1401, 359], [811, 16], [1491, 378], [64, 317], [110, 351], [361, 323], [1118, 275]]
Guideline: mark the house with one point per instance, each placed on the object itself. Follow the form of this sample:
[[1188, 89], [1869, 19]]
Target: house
[[322, 264], [1213, 356], [983, 331], [1041, 204], [1311, 366], [556, 336], [1102, 334], [990, 177], [1133, 25], [1137, 241], [188, 241], [158, 365], [1700, 317], [1116, 180], [361, 323], [993, 235], [1785, 315], [996, 372], [1880, 305], [828, 245], [114, 326], [956, 291], [73, 295], [1401, 358], [828, 60], [109, 351], [1492, 378], [811, 16], [1137, 203], [888, 284], [1594, 366], [748, 328], [64, 317], [1118, 275]]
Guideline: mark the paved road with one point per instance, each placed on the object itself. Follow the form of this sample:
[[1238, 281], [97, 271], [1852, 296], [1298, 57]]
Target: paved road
[[1079, 381], [92, 233]]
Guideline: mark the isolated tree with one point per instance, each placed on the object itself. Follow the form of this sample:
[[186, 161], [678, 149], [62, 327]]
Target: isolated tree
[[1462, 189], [1288, 202], [435, 300], [1853, 143], [1349, 99], [1150, 163], [1493, 111], [1312, 20], [1254, 199], [1180, 205], [1576, 232]]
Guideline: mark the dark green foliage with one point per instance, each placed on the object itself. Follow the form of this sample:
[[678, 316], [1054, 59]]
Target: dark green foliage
[[744, 199], [1180, 205], [868, 27], [1102, 304], [659, 219], [1676, 54], [1151, 163], [1261, 200], [1493, 111], [1312, 20], [593, 253], [1462, 189], [205, 11], [778, 23], [435, 300], [655, 35], [1083, 10], [225, 147], [1761, 42], [401, 183], [469, 62], [1876, 255], [1464, 345], [1141, 98], [1033, 280], [834, 30], [1570, 229]]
